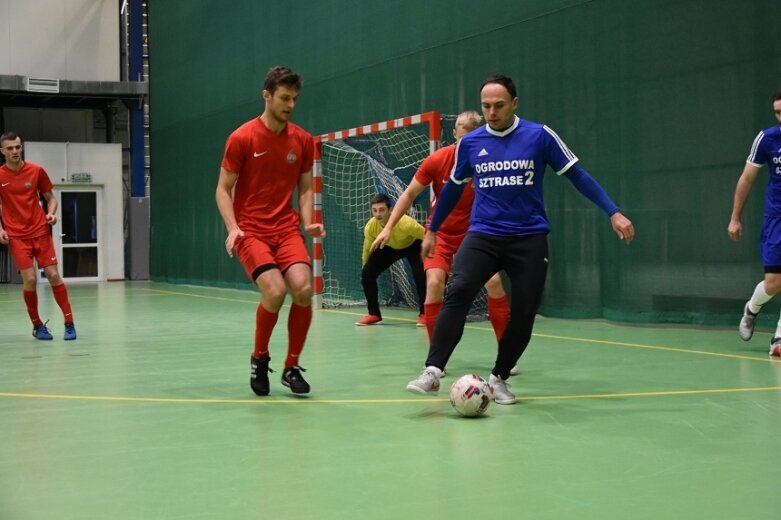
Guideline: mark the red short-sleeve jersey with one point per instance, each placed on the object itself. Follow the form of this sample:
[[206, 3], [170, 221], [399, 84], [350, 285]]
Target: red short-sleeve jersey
[[269, 166], [435, 170], [23, 216]]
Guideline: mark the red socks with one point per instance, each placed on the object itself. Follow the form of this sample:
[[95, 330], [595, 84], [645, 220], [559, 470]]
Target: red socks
[[298, 322], [264, 326], [431, 311], [61, 297], [499, 314], [31, 301]]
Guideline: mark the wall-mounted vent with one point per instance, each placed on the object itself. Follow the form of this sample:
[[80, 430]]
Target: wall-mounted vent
[[51, 86]]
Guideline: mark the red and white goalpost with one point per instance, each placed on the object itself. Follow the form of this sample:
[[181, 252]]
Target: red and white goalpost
[[349, 167]]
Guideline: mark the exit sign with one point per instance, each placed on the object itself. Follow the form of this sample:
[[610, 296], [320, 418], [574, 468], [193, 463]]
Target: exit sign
[[81, 178]]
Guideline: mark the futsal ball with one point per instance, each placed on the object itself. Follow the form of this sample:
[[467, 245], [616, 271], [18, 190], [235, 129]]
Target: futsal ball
[[470, 395]]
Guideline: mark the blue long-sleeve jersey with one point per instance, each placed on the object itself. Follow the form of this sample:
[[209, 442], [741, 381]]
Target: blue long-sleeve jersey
[[508, 168]]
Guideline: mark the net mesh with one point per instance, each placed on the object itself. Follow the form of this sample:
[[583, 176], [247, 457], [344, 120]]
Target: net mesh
[[354, 170]]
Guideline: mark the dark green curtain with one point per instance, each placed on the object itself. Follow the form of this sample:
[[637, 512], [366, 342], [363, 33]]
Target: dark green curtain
[[659, 99]]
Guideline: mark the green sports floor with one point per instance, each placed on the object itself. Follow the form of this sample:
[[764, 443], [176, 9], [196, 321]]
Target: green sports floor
[[149, 415]]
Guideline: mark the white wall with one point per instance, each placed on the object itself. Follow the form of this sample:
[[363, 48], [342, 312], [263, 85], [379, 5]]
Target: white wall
[[104, 163], [60, 39]]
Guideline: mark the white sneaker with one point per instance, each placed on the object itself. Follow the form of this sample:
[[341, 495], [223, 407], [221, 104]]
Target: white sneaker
[[514, 371], [443, 374], [499, 388], [427, 382], [746, 327]]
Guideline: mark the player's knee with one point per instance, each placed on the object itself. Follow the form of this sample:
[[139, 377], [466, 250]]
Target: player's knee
[[301, 293], [773, 285], [435, 289], [275, 295], [302, 299], [54, 279], [494, 287]]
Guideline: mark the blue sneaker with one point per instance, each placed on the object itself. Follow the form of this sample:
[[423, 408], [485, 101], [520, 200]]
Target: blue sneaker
[[41, 332], [70, 332]]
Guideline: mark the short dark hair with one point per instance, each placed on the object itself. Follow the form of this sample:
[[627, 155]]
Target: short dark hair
[[282, 76], [776, 96], [502, 80], [9, 136], [381, 198]]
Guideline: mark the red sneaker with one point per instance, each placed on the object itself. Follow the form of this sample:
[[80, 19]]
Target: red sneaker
[[369, 319], [421, 321]]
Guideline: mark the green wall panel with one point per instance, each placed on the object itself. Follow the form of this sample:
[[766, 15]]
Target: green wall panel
[[659, 99]]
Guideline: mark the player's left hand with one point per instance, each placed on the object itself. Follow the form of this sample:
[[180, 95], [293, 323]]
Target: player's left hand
[[428, 245], [51, 219], [315, 230], [735, 229], [623, 227]]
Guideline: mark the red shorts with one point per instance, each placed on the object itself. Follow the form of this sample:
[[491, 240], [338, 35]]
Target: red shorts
[[279, 250], [23, 250], [446, 248]]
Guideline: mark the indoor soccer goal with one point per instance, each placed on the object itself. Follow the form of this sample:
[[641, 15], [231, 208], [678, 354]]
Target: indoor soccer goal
[[351, 166]]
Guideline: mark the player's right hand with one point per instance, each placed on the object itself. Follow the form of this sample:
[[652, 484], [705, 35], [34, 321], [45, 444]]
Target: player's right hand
[[428, 246], [4, 237], [234, 235], [381, 241]]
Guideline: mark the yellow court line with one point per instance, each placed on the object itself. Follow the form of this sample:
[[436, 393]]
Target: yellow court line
[[600, 341], [535, 334], [487, 329], [294, 400], [657, 347], [220, 298]]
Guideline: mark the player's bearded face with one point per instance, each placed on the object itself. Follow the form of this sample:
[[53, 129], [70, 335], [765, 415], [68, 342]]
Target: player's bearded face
[[282, 102], [777, 109]]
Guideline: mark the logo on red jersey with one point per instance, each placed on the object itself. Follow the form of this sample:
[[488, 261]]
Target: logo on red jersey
[[28, 185], [291, 157]]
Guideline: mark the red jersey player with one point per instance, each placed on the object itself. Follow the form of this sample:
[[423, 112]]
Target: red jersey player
[[26, 229], [435, 171], [265, 161]]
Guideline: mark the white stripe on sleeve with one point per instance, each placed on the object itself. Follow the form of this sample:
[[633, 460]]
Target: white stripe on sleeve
[[455, 165], [752, 156], [567, 152]]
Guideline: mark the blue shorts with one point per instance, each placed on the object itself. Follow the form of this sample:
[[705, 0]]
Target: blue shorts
[[770, 244]]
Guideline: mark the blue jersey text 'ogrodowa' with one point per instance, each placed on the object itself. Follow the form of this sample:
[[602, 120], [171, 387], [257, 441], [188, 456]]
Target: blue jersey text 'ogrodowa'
[[508, 168]]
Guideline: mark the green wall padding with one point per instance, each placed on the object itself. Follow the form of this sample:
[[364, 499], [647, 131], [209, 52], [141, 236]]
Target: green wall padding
[[659, 99]]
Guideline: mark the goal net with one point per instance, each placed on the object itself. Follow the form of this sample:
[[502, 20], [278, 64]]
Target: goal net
[[354, 165]]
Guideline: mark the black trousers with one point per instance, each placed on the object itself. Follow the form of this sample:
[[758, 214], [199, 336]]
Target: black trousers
[[525, 261], [379, 261]]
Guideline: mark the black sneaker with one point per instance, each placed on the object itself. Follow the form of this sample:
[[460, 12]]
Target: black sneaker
[[258, 378], [292, 378]]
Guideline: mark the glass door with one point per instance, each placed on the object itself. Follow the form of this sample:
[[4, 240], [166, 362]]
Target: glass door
[[78, 233]]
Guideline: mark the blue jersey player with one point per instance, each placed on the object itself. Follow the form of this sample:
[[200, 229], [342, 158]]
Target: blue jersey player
[[766, 149], [507, 159]]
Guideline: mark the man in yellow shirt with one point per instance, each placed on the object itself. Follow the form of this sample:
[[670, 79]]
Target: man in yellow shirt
[[405, 241]]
